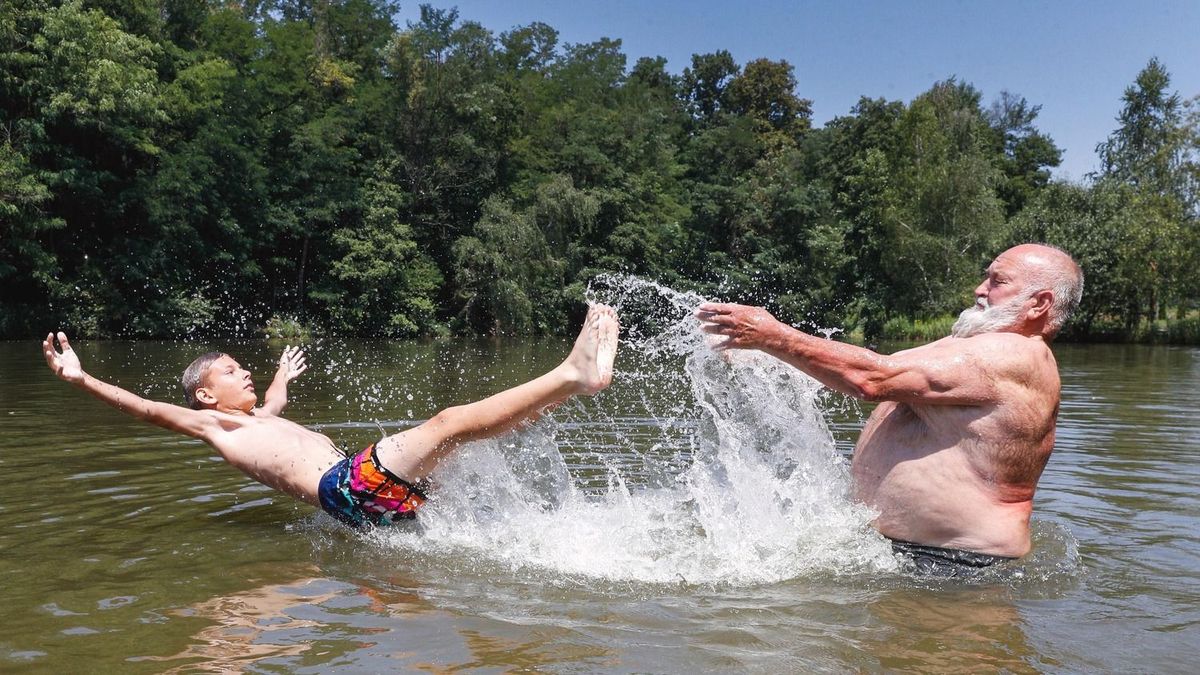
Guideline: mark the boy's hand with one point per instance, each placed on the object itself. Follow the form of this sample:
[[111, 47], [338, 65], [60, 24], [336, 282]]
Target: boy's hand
[[66, 364], [291, 363]]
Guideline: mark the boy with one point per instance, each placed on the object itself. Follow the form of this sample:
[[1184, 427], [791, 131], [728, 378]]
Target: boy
[[379, 484]]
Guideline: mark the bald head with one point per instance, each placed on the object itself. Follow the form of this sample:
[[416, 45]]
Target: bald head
[[1048, 268]]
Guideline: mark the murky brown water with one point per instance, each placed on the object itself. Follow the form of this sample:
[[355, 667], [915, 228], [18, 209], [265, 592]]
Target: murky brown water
[[124, 548]]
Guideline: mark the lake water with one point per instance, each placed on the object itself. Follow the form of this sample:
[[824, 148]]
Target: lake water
[[691, 518]]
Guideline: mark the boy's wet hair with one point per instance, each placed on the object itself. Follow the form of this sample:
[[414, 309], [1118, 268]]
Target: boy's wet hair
[[193, 377]]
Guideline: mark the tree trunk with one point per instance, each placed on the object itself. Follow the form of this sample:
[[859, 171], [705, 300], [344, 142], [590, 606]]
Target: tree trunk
[[300, 277]]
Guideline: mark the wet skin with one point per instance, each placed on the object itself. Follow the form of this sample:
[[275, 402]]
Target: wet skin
[[292, 459], [952, 455]]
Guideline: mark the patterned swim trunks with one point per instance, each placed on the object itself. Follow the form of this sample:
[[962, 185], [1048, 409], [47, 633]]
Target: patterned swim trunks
[[358, 491]]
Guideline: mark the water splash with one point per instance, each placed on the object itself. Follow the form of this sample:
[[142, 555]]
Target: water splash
[[716, 468]]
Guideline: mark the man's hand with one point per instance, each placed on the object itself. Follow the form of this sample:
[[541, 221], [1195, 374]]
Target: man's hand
[[291, 363], [65, 364], [741, 327]]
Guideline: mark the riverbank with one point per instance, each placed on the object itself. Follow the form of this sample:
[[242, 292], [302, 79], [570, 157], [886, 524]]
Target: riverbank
[[1178, 331]]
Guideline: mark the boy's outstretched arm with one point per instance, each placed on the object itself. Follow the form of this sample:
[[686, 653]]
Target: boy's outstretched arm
[[291, 364], [66, 366]]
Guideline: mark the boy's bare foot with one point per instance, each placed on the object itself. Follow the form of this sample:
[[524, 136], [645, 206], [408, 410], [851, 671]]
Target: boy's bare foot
[[590, 362]]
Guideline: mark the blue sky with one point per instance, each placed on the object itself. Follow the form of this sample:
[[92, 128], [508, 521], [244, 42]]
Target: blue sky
[[1073, 58]]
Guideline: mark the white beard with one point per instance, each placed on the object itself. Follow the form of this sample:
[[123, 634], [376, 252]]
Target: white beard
[[984, 319]]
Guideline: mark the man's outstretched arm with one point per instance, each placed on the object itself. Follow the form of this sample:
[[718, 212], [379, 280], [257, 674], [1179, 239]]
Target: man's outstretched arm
[[291, 364], [949, 373], [66, 366]]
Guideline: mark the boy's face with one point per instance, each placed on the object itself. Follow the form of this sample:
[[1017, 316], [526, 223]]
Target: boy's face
[[226, 385]]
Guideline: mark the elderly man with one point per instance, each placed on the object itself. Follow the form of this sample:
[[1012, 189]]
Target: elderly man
[[951, 456]]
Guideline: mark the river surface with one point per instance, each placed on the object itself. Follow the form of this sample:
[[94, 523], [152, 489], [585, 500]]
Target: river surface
[[674, 523]]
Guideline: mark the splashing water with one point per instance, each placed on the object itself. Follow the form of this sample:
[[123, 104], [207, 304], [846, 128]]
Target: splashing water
[[721, 470]]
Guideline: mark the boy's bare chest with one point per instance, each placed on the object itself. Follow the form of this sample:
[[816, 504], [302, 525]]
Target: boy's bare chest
[[276, 433]]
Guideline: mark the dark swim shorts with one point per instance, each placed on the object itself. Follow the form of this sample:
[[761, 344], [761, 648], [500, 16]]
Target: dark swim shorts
[[358, 491], [935, 561]]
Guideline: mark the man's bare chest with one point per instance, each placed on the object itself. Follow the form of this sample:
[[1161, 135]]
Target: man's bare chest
[[898, 432]]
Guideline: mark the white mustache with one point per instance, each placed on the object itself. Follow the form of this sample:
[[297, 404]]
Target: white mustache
[[983, 317]]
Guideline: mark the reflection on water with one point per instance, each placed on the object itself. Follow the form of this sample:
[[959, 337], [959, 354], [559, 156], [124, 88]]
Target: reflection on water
[[950, 631], [245, 626], [316, 620], [669, 525]]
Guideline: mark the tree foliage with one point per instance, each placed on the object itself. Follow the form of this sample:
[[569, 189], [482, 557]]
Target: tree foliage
[[189, 165]]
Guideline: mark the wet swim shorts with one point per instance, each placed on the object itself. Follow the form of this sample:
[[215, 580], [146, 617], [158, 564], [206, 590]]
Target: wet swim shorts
[[358, 491], [944, 562]]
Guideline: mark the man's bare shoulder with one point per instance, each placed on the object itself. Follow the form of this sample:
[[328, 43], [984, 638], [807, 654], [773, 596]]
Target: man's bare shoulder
[[999, 356], [1012, 356], [994, 346], [1006, 345], [1000, 344]]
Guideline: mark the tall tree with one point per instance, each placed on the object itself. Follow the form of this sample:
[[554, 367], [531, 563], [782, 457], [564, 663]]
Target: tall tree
[[1154, 153], [382, 283], [79, 108], [946, 218], [766, 92], [1027, 154], [1148, 147], [705, 82]]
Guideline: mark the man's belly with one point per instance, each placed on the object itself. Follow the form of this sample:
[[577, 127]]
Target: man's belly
[[936, 498]]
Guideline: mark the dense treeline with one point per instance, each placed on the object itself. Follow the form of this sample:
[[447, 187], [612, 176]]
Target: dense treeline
[[175, 166]]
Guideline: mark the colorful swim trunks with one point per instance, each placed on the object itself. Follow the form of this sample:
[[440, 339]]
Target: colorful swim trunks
[[358, 491]]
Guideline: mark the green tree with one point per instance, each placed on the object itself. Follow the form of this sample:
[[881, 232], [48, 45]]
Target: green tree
[[28, 267], [705, 82], [382, 283], [945, 218], [612, 138], [1153, 151], [765, 91], [1026, 153], [1148, 147], [79, 107], [445, 122], [850, 158], [1110, 232], [508, 281], [192, 165]]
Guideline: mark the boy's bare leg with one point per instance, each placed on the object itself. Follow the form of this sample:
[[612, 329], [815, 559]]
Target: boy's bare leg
[[413, 454]]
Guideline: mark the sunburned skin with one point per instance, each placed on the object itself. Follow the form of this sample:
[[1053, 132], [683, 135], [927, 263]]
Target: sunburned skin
[[963, 476], [965, 425], [292, 459]]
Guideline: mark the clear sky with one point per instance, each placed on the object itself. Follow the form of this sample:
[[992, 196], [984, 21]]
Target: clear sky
[[1074, 58]]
